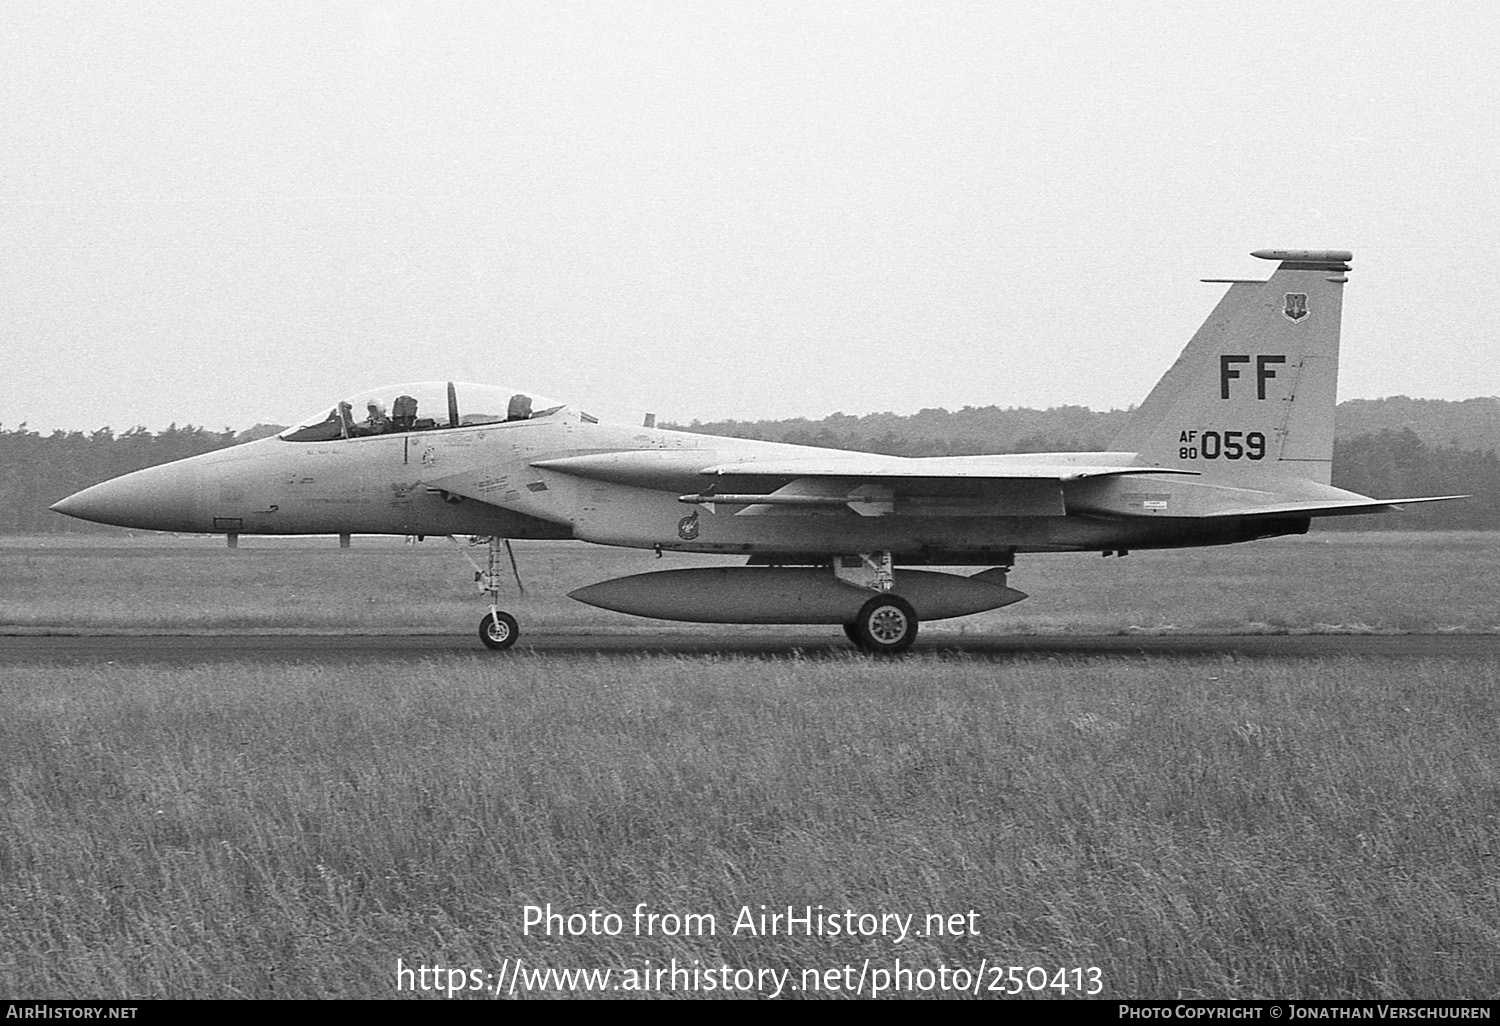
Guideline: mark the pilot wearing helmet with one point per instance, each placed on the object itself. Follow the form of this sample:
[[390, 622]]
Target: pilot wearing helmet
[[377, 423]]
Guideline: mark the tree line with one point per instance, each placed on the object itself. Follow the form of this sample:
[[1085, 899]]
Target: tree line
[[1388, 448], [36, 470]]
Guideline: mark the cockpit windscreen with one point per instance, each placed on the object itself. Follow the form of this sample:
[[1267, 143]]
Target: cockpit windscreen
[[422, 406]]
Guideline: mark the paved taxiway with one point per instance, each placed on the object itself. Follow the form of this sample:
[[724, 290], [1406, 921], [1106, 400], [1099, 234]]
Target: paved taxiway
[[197, 649]]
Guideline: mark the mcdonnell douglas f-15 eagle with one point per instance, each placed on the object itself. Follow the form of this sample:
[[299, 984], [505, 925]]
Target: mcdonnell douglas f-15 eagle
[[1234, 443]]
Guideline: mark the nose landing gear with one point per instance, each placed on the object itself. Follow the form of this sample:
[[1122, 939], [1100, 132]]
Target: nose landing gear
[[498, 630]]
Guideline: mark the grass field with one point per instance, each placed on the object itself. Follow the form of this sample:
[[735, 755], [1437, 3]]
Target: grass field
[[1190, 827], [1330, 581]]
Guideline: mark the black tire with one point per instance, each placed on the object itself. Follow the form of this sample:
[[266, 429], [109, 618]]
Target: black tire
[[852, 633], [886, 624], [498, 630]]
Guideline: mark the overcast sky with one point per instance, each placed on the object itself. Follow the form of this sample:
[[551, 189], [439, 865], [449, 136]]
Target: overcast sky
[[224, 213]]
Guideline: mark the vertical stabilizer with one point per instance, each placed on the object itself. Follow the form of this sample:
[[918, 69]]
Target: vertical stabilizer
[[1252, 395]]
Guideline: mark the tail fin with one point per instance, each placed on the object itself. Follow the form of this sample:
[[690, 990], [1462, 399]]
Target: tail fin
[[1252, 396]]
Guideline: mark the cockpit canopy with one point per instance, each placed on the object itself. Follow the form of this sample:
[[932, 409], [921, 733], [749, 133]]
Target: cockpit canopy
[[422, 406]]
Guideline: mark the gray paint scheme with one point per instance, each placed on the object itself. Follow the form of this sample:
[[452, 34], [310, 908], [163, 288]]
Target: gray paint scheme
[[1235, 443]]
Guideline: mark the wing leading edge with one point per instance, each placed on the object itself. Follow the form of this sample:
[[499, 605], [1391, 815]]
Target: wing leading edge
[[869, 484], [658, 468], [967, 468]]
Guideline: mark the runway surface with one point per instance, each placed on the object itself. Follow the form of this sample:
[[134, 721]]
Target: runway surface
[[242, 648]]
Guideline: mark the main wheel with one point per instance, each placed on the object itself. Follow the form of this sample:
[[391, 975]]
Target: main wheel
[[886, 624], [852, 633], [498, 630]]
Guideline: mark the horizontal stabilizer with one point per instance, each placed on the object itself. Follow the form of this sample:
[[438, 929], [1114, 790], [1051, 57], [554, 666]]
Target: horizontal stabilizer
[[1319, 508]]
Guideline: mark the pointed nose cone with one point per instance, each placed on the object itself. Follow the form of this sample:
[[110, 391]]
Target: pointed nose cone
[[158, 499], [71, 506]]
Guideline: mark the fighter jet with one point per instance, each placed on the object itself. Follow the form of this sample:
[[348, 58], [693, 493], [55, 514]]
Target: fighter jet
[[1235, 443]]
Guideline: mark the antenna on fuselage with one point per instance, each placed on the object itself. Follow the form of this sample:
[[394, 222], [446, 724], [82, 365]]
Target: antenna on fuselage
[[452, 405]]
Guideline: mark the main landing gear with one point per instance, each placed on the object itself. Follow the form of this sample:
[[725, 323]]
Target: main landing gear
[[498, 630], [886, 624]]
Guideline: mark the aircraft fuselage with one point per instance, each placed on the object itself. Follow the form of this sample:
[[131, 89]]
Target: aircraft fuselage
[[482, 480]]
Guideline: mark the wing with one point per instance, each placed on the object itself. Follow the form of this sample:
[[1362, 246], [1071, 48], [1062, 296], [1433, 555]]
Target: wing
[[867, 483], [674, 468], [1027, 467]]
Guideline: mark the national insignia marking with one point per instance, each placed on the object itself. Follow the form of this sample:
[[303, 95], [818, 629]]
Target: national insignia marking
[[687, 527], [1296, 306]]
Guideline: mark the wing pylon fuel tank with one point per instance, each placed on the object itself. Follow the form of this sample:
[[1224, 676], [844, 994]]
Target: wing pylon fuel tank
[[776, 594]]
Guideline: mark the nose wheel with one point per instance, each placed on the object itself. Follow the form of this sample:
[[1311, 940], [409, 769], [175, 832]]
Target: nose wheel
[[498, 630]]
